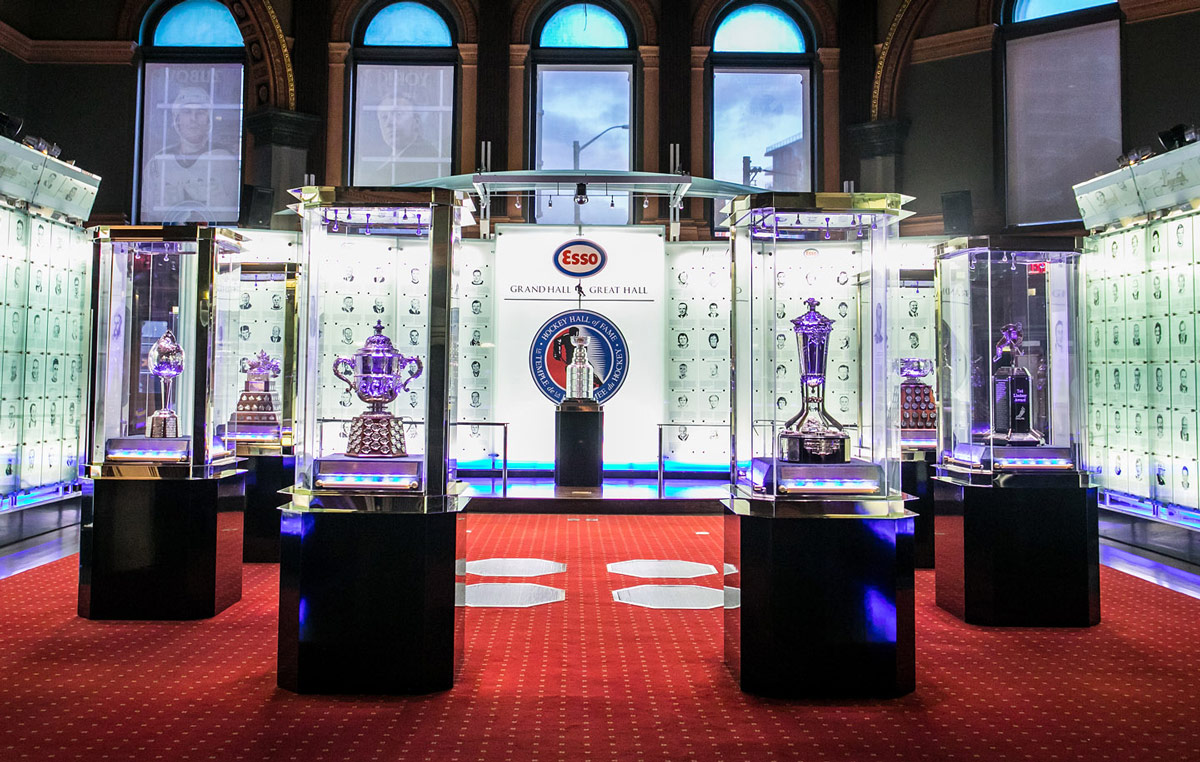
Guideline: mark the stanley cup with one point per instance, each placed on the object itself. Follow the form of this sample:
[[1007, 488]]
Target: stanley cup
[[813, 436], [579, 372], [165, 360], [378, 376]]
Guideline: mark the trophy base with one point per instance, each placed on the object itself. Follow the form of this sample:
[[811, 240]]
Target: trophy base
[[376, 435], [164, 424], [1023, 438], [798, 447]]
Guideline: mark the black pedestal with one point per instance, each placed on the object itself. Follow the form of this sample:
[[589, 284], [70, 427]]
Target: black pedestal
[[160, 548], [266, 476], [1026, 557], [916, 479], [820, 607], [578, 447], [367, 601]]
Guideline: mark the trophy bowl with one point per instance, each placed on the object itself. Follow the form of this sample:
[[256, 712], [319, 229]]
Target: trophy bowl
[[377, 375], [165, 361]]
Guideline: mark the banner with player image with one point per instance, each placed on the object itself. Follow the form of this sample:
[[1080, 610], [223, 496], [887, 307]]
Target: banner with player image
[[191, 143], [403, 123]]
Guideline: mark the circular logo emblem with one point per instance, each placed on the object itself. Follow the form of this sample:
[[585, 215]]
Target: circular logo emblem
[[580, 258], [551, 353]]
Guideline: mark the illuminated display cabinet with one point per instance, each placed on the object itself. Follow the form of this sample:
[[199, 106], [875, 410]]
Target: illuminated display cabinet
[[1139, 305], [1017, 529], [368, 541], [816, 436], [162, 514], [265, 345]]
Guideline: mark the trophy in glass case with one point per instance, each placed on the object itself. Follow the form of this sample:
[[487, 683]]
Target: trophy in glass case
[[812, 435], [1012, 391], [378, 371], [918, 409], [256, 404], [165, 361]]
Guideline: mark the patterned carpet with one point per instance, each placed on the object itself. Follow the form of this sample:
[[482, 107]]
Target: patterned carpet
[[588, 678]]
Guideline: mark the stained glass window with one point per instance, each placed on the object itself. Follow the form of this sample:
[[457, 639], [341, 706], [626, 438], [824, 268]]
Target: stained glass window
[[408, 24], [198, 24], [758, 28], [584, 25]]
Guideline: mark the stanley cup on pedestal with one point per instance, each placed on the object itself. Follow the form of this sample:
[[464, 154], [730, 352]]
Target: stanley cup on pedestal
[[812, 435], [579, 372], [379, 375], [165, 360]]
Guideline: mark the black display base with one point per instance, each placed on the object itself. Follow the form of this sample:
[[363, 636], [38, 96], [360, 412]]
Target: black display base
[[267, 475], [161, 548], [367, 601], [818, 607], [916, 479], [1023, 557], [17, 525], [578, 447]]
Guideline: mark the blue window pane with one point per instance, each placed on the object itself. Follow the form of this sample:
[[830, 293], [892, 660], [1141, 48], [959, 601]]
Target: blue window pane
[[198, 24], [1027, 10], [584, 26], [758, 29], [408, 24]]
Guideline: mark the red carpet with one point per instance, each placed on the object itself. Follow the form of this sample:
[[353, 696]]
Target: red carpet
[[591, 679]]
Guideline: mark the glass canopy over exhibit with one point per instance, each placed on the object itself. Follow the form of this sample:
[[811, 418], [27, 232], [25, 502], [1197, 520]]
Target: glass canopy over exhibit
[[1007, 359], [817, 400], [377, 313], [166, 372]]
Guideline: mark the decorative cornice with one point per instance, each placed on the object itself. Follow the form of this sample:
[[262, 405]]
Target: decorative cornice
[[517, 54], [879, 138], [649, 55], [923, 225], [830, 58], [963, 42], [1148, 10], [700, 56], [468, 53], [98, 52], [282, 128], [338, 52]]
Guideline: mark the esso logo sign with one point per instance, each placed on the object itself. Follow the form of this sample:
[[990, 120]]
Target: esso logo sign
[[811, 252], [580, 258]]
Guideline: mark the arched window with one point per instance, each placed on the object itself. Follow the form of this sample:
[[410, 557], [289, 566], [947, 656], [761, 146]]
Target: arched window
[[762, 98], [192, 95], [405, 67], [1062, 90], [583, 96]]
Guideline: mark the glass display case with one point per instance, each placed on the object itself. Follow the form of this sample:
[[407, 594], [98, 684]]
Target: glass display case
[[1007, 359], [379, 326], [165, 426], [1140, 268], [817, 406], [166, 372]]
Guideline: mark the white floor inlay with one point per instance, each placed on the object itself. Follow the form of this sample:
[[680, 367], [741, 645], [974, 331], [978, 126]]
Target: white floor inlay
[[511, 595], [730, 569], [460, 567], [733, 597], [671, 596], [514, 567], [647, 569]]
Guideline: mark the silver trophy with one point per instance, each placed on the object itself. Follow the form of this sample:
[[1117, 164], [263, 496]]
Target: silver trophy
[[813, 436], [165, 360], [579, 372], [256, 405], [378, 377]]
